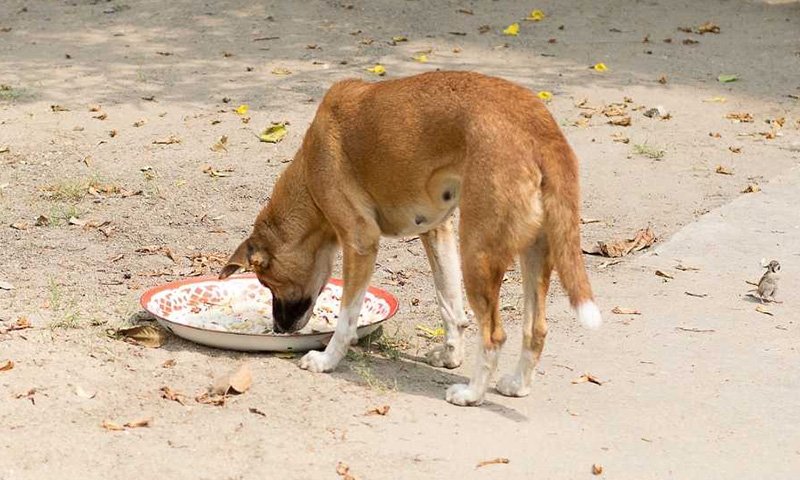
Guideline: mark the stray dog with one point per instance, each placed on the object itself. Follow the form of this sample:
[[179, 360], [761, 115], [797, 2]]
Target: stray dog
[[397, 158]]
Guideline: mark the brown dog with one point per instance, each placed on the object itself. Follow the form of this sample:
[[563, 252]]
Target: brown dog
[[397, 158]]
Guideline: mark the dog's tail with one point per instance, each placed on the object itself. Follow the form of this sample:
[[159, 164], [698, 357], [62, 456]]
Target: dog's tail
[[561, 202]]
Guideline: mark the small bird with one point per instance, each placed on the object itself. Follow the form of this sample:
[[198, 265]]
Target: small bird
[[768, 285]]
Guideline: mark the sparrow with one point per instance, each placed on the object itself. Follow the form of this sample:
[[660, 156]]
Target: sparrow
[[768, 285]]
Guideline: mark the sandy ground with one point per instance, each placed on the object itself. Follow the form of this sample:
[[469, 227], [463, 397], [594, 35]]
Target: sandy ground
[[694, 387]]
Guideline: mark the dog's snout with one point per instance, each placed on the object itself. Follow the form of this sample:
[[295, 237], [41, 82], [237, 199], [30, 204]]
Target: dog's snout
[[290, 315]]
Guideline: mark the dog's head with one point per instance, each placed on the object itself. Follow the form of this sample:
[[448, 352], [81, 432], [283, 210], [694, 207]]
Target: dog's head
[[295, 272]]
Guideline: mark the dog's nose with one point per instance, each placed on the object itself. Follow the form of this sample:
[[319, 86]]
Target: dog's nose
[[289, 315]]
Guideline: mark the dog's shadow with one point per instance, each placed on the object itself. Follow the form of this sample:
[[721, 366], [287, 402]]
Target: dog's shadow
[[364, 366]]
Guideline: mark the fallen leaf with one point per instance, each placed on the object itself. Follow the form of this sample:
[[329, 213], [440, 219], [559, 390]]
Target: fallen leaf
[[256, 411], [618, 248], [76, 221], [29, 395], [281, 71], [114, 427], [751, 188], [599, 67], [689, 41], [621, 121], [545, 95], [698, 295], [378, 69], [142, 422], [511, 30], [22, 323], [620, 137], [420, 57], [716, 100], [587, 377], [399, 38], [171, 394], [625, 311], [727, 78], [465, 11], [19, 226], [707, 27], [147, 335], [722, 170], [242, 109], [382, 410], [741, 117], [695, 330], [662, 79], [273, 134], [735, 149], [343, 470], [686, 268], [484, 29], [759, 309], [6, 286], [5, 149], [494, 461], [58, 108], [235, 381], [597, 469], [213, 172], [714, 134], [167, 141], [659, 273], [535, 16], [208, 399], [102, 116], [139, 123], [112, 133], [8, 365], [586, 221], [79, 391], [169, 363], [431, 333]]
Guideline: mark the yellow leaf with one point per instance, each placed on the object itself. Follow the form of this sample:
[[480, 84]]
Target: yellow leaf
[[716, 100], [377, 70], [242, 109], [420, 57], [535, 16], [600, 67], [545, 95], [281, 71], [431, 333], [273, 134], [512, 30], [399, 38]]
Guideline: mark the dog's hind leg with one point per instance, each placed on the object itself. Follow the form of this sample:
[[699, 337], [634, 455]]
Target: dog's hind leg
[[358, 266], [536, 266], [440, 246], [483, 276]]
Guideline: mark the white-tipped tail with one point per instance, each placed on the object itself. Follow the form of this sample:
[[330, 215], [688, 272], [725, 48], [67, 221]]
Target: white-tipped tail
[[589, 315]]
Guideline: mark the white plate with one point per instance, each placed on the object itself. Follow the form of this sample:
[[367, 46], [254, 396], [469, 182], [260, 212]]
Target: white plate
[[236, 313]]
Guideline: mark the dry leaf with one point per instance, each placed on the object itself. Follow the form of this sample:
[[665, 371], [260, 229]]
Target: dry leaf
[[167, 141], [751, 188], [759, 309], [689, 41], [274, 134], [735, 149], [169, 363], [281, 71], [207, 399], [22, 323], [19, 226], [235, 381], [723, 170], [139, 123], [102, 116], [58, 108], [221, 145], [625, 311], [256, 411], [382, 410], [147, 335], [79, 391], [618, 248], [142, 422], [741, 117], [494, 461], [659, 273], [6, 286], [714, 135], [698, 295], [586, 221], [707, 27], [483, 29], [662, 79], [621, 121], [343, 470], [695, 330], [171, 394], [597, 469], [620, 137], [8, 365], [587, 377], [109, 425], [686, 268], [213, 172]]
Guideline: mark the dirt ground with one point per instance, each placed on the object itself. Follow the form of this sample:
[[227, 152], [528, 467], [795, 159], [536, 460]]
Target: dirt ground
[[111, 112]]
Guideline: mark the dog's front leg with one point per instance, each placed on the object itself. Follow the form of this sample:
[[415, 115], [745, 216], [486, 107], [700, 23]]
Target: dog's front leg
[[358, 267], [440, 246]]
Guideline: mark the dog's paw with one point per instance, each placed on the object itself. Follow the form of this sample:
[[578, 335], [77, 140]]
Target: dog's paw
[[463, 395], [447, 356], [317, 362], [512, 386]]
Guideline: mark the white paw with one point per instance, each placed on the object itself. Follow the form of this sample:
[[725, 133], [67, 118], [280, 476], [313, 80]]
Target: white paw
[[318, 362], [460, 394], [511, 386], [447, 355]]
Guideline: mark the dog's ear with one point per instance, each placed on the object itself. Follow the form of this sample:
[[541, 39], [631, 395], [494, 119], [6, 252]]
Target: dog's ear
[[239, 260]]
